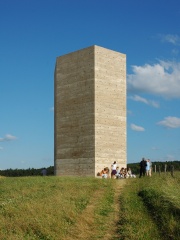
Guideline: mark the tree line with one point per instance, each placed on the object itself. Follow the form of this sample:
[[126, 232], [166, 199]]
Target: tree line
[[50, 170], [26, 172]]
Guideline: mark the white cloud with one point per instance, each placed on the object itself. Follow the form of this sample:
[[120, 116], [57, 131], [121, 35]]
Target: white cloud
[[143, 100], [52, 109], [8, 137], [175, 52], [170, 157], [137, 128], [129, 112], [170, 38], [170, 122], [162, 79], [155, 148]]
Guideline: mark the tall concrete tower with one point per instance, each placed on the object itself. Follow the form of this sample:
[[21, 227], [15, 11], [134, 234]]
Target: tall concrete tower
[[90, 111]]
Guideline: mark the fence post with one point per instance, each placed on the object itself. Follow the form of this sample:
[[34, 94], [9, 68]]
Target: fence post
[[159, 169], [165, 168], [155, 168], [172, 170]]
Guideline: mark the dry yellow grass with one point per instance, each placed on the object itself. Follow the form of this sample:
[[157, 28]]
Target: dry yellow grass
[[57, 208], [54, 208], [86, 224]]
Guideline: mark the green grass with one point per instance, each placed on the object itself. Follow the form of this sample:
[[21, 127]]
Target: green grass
[[48, 207], [65, 208], [150, 208]]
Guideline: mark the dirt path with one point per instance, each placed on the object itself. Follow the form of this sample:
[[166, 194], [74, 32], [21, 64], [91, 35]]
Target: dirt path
[[85, 226], [112, 231]]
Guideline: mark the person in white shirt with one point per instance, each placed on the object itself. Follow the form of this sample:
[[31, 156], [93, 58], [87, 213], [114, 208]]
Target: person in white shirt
[[113, 170]]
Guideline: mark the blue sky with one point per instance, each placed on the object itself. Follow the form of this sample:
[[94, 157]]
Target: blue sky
[[34, 32]]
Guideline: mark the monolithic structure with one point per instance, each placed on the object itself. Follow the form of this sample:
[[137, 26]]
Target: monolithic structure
[[90, 111]]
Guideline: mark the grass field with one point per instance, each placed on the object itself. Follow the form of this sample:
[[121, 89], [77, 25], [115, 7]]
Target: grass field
[[150, 208], [55, 208], [51, 207]]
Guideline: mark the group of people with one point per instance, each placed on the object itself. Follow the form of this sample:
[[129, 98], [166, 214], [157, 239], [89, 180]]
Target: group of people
[[121, 173], [116, 172], [145, 168], [124, 173]]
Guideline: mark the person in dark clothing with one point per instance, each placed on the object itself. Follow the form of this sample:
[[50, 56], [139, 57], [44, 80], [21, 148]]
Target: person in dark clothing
[[44, 172], [142, 167]]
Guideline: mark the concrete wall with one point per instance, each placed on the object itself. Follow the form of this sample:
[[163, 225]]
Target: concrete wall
[[110, 108], [90, 111]]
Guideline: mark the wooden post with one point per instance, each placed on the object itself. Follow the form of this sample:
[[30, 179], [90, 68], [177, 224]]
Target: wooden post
[[172, 170], [165, 168], [159, 169], [155, 168]]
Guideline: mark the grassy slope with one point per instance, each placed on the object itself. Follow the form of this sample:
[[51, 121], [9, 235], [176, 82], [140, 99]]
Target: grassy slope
[[86, 208], [50, 207], [150, 208]]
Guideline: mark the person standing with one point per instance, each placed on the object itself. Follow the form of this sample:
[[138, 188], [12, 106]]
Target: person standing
[[142, 167], [44, 172], [113, 170], [147, 168], [150, 169]]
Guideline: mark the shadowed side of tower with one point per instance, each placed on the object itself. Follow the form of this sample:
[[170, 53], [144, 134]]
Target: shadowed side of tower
[[74, 114], [90, 111]]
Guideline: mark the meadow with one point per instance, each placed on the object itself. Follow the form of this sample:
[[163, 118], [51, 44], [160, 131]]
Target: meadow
[[59, 208], [150, 208]]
